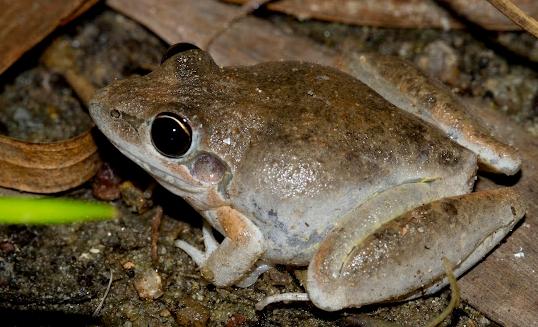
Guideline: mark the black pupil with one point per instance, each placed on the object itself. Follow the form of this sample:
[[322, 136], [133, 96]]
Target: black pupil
[[171, 135]]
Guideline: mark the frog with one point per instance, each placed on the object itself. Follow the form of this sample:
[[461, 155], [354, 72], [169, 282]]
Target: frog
[[364, 178]]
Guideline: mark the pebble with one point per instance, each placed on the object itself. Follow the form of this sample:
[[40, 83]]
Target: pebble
[[148, 284]]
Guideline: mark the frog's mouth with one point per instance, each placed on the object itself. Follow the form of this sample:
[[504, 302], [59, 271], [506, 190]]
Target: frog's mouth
[[181, 182]]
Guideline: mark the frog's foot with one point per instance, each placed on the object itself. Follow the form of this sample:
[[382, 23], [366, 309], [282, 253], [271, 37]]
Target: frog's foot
[[401, 259], [230, 261], [284, 297], [253, 276], [210, 243]]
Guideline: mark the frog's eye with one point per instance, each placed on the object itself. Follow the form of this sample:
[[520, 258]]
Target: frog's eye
[[171, 135], [178, 48]]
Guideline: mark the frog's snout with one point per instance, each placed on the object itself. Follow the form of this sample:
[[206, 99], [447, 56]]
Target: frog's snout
[[208, 168], [99, 112]]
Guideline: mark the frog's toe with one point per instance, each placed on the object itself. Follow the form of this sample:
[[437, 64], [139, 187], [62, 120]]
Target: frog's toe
[[253, 276], [197, 255], [210, 242]]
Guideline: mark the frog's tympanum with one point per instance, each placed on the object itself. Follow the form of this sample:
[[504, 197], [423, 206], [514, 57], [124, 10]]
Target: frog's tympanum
[[300, 164]]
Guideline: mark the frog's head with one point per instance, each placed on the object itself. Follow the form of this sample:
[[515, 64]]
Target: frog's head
[[161, 121]]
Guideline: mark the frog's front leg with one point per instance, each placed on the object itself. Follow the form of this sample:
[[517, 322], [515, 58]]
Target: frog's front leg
[[401, 259], [228, 262], [406, 87]]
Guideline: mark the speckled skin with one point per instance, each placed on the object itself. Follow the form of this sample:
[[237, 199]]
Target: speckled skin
[[304, 155]]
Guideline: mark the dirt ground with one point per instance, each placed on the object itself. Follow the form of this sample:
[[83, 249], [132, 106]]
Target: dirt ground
[[57, 275]]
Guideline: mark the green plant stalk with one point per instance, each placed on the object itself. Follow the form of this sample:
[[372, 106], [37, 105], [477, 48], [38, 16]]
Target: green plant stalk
[[44, 211]]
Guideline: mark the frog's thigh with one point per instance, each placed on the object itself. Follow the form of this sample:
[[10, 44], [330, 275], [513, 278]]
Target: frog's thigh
[[243, 245], [401, 259], [402, 84]]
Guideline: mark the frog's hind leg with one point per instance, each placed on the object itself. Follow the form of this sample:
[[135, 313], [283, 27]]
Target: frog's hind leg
[[401, 258], [403, 85]]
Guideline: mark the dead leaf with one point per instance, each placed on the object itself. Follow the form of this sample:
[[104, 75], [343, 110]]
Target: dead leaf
[[26, 22], [47, 167], [401, 13]]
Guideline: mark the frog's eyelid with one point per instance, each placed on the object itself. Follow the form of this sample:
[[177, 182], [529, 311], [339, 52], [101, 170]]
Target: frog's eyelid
[[178, 48]]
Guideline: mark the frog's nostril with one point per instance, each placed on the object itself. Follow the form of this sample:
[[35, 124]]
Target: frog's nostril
[[115, 113], [208, 168]]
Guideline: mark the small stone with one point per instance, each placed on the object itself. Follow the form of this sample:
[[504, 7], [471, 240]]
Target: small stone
[[191, 313], [164, 313], [128, 265], [237, 320], [148, 284], [105, 185]]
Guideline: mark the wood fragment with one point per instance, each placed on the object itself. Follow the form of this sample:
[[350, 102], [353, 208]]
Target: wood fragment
[[60, 58], [155, 231]]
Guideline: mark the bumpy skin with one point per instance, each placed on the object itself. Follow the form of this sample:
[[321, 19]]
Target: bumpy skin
[[300, 152]]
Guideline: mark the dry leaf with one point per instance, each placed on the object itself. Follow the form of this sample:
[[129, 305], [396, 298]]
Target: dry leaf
[[26, 22], [47, 167], [402, 13]]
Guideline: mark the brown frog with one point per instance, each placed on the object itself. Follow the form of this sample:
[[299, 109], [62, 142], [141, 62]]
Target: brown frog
[[300, 164]]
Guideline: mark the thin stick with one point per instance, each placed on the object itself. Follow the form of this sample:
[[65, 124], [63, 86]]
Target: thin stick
[[454, 296], [517, 15], [155, 228], [96, 312]]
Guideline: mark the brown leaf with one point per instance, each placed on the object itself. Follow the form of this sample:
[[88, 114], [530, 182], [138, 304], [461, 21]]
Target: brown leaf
[[26, 22], [401, 13], [47, 167]]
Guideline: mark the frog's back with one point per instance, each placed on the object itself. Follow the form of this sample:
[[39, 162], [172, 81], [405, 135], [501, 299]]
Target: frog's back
[[327, 143]]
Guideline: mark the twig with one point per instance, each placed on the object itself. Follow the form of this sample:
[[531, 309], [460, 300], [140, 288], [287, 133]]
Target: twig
[[96, 312], [454, 296], [517, 15], [155, 226]]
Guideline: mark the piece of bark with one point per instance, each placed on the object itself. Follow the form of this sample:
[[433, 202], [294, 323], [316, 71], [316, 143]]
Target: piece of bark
[[401, 13], [501, 286], [47, 167], [26, 22]]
